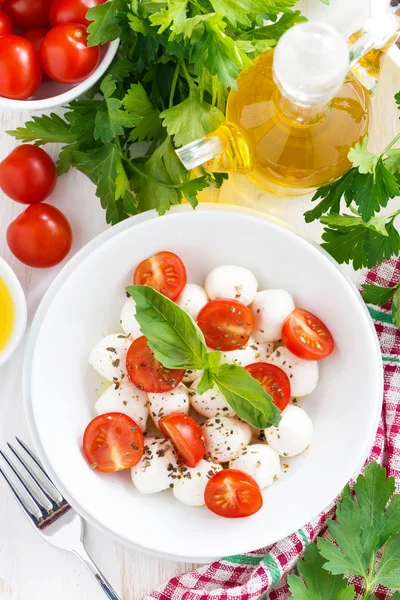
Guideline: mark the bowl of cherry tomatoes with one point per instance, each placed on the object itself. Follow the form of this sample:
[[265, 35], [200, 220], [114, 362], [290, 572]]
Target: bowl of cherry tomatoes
[[46, 59]]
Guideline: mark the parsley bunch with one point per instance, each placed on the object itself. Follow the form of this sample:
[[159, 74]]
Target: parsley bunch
[[363, 238], [168, 86], [366, 536]]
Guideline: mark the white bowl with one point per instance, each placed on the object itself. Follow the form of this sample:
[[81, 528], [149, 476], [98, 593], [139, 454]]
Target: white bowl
[[51, 93], [85, 301], [18, 297]]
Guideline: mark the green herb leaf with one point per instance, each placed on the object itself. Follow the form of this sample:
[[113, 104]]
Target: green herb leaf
[[43, 130], [317, 583], [396, 308], [246, 396], [206, 382], [376, 294], [176, 340], [213, 360], [330, 195], [388, 570], [106, 25], [136, 101], [362, 159]]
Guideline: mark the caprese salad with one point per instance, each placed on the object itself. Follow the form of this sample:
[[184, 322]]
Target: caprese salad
[[174, 432]]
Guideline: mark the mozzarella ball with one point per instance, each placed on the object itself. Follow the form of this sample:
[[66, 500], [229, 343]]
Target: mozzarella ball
[[211, 404], [260, 462], [124, 397], [158, 468], [250, 353], [293, 434], [225, 438], [108, 356], [191, 376], [166, 403], [231, 281], [128, 319], [270, 309], [192, 299], [190, 488], [303, 374]]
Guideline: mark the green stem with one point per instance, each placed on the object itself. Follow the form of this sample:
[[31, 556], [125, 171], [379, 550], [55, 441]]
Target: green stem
[[173, 85], [186, 74], [392, 143], [214, 89], [132, 167], [200, 8], [201, 84]]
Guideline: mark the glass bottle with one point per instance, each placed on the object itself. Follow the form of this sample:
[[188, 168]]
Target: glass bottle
[[298, 109]]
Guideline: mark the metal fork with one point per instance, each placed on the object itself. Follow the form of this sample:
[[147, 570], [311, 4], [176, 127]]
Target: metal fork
[[50, 514]]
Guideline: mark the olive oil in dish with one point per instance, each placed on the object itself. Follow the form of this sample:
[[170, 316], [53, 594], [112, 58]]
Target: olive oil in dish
[[7, 315]]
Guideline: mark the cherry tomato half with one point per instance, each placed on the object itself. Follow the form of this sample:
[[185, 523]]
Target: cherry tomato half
[[113, 442], [26, 14], [306, 336], [274, 381], [164, 272], [40, 237], [28, 174], [186, 435], [65, 55], [6, 26], [35, 36], [146, 372], [20, 69], [231, 493], [226, 324], [71, 11]]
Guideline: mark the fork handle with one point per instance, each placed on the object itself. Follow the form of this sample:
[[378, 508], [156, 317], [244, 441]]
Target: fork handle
[[96, 573]]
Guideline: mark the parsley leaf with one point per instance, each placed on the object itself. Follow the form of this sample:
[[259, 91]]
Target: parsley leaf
[[376, 294], [317, 583], [388, 570], [330, 195], [105, 26], [43, 130], [362, 159], [136, 101]]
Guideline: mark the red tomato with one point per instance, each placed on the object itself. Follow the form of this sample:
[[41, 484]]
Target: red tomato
[[231, 493], [71, 11], [306, 336], [6, 26], [274, 381], [26, 14], [226, 324], [35, 36], [146, 372], [186, 435], [164, 272], [20, 69], [40, 237], [65, 55], [28, 174], [113, 442]]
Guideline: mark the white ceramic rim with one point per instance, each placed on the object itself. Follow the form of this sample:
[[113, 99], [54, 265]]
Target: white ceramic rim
[[69, 95], [18, 296], [54, 288]]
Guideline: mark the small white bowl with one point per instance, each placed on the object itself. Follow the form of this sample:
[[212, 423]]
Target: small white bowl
[[51, 93], [18, 296]]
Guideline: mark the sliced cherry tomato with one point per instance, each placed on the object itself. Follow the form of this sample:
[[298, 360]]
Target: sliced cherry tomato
[[226, 324], [20, 69], [164, 272], [35, 36], [113, 442], [274, 381], [40, 237], [71, 11], [28, 174], [26, 14], [306, 336], [186, 435], [65, 55], [146, 372], [6, 26], [231, 493]]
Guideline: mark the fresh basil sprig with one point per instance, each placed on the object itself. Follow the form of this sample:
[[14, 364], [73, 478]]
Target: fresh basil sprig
[[178, 343]]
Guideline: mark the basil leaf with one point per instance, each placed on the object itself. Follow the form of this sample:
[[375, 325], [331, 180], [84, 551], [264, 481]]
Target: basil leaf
[[213, 359], [206, 382], [246, 396], [176, 340]]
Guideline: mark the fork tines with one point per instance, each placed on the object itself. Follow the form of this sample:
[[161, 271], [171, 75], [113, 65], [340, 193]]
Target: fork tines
[[33, 489]]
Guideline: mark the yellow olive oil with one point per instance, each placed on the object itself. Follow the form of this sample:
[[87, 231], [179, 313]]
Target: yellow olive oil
[[7, 314]]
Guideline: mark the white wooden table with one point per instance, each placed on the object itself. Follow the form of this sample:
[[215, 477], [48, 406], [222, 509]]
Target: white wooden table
[[29, 568]]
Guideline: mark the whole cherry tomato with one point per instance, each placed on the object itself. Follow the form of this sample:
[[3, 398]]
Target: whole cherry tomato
[[65, 55], [20, 69], [40, 237], [28, 174], [71, 11], [6, 26], [26, 14]]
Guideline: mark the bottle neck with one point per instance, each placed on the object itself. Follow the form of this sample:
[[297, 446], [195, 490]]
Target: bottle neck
[[299, 114]]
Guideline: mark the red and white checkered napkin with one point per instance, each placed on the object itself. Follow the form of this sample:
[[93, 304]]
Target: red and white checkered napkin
[[250, 576]]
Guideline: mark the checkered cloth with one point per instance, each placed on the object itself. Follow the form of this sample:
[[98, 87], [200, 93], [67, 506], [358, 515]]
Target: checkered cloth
[[252, 576]]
